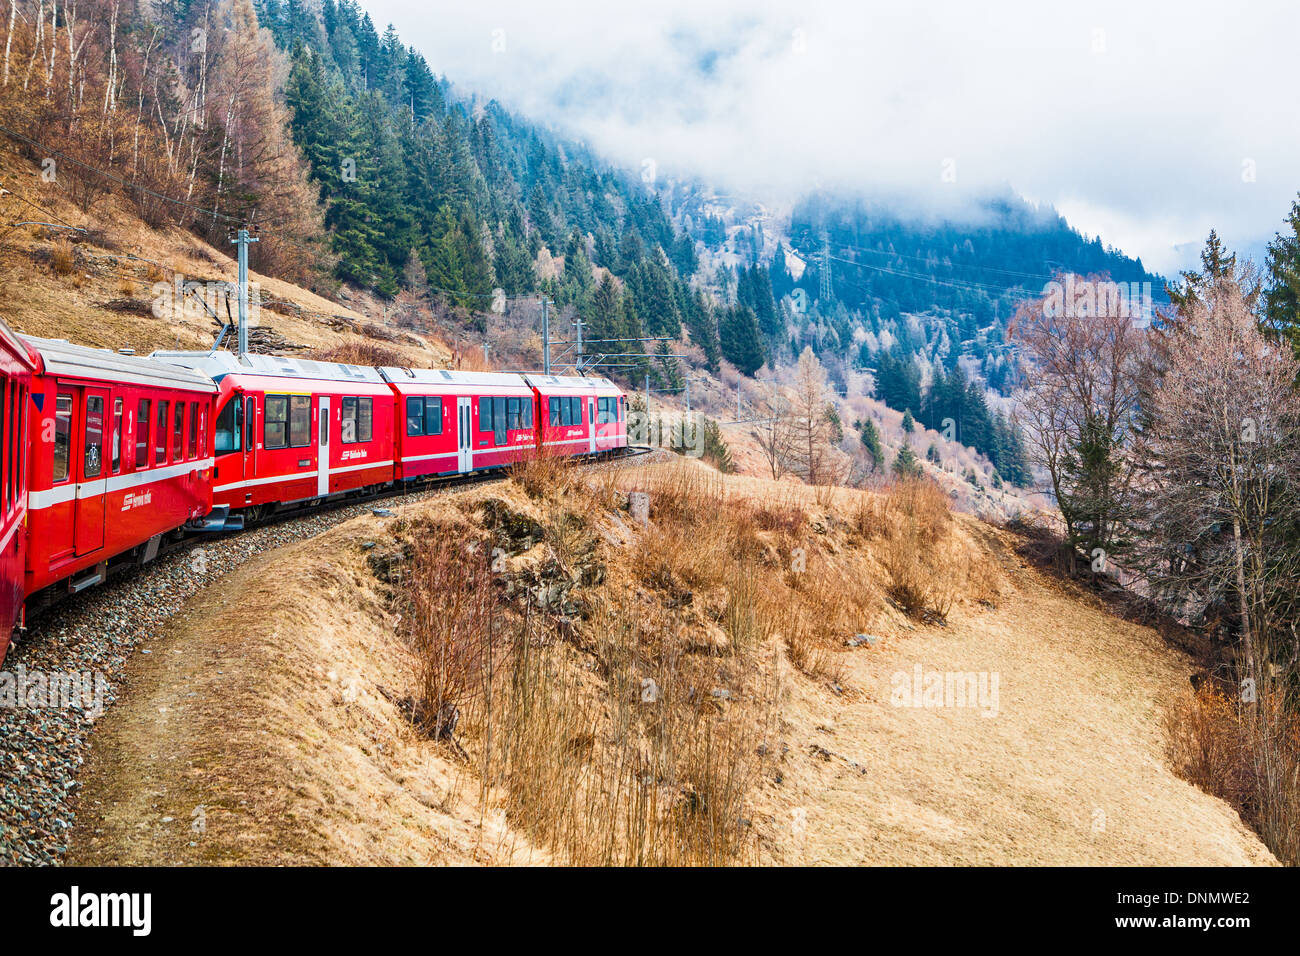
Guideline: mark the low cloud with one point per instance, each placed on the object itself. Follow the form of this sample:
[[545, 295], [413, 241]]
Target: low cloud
[[1144, 123]]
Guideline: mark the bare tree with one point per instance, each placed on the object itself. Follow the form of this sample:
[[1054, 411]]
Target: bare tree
[[1222, 452], [773, 435], [1079, 407], [810, 426], [1220, 510]]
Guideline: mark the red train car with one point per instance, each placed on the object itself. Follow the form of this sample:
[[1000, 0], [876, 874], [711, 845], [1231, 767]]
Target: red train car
[[291, 431], [579, 415], [17, 364], [454, 422], [119, 455]]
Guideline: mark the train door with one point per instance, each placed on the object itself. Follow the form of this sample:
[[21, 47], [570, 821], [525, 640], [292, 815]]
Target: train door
[[591, 424], [464, 440], [250, 441], [323, 449], [88, 462]]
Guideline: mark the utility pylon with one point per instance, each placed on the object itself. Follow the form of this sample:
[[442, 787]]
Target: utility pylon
[[826, 292], [242, 239]]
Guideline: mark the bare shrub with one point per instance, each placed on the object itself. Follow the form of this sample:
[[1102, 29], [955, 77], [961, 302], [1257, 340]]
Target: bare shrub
[[451, 621], [361, 353], [1218, 744], [541, 471], [924, 577], [63, 258]]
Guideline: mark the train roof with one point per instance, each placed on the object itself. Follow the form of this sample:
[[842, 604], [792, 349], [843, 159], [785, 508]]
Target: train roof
[[61, 357], [217, 365], [568, 381], [443, 376]]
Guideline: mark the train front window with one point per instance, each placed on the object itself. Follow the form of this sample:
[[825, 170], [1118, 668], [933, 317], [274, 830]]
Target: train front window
[[94, 433], [229, 433], [62, 435]]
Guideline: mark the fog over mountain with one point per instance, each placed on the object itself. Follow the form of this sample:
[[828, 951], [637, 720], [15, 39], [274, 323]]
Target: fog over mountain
[[1140, 127]]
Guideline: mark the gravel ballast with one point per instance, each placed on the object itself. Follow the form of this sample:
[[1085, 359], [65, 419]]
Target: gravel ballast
[[43, 748]]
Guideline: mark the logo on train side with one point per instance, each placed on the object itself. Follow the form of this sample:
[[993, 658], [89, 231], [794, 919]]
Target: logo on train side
[[136, 500], [351, 454]]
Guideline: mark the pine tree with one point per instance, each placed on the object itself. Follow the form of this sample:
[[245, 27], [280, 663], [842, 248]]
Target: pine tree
[[905, 464], [1281, 319], [740, 340], [871, 441]]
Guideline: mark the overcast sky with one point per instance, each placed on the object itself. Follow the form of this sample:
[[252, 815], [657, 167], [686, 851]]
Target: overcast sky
[[1144, 122]]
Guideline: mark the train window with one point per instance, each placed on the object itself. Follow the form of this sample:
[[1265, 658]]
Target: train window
[[160, 434], [415, 416], [5, 463], [178, 432], [194, 431], [19, 420], [485, 414], [299, 421], [433, 416], [554, 404], [142, 434], [62, 435], [349, 426], [6, 472], [358, 419], [93, 462], [577, 409], [528, 412], [117, 435], [512, 413], [228, 430], [566, 411], [250, 417], [276, 425], [365, 419], [499, 418]]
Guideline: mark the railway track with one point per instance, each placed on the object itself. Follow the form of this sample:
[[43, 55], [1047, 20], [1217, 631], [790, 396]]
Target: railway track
[[98, 630], [183, 540]]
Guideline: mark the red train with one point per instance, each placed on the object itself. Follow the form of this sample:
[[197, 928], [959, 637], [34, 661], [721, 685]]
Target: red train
[[113, 452]]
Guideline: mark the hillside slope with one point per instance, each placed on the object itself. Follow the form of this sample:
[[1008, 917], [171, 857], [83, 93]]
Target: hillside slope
[[279, 724]]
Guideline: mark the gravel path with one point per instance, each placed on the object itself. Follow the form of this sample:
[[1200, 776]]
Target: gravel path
[[42, 749]]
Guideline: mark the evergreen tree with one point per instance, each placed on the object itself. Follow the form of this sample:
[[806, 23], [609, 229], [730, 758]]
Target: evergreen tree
[[1281, 319], [741, 343]]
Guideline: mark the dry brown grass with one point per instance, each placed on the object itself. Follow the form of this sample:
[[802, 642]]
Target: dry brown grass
[[926, 574], [1246, 754], [541, 471], [361, 352], [615, 734], [63, 258]]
